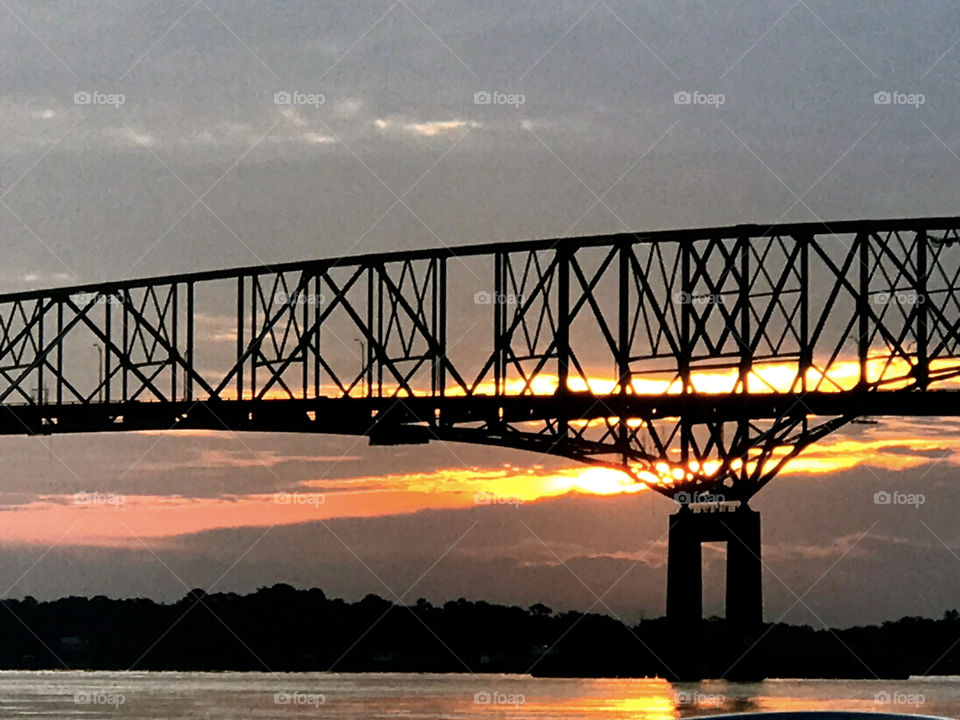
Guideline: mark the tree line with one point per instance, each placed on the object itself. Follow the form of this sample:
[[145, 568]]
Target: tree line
[[282, 628]]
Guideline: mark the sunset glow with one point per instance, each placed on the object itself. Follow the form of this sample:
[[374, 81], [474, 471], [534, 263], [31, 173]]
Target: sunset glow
[[770, 377], [106, 520]]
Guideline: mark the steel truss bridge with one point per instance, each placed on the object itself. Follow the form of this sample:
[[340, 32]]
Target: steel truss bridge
[[695, 360]]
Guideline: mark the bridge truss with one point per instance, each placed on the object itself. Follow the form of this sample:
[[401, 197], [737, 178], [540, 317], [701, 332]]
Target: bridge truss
[[695, 360]]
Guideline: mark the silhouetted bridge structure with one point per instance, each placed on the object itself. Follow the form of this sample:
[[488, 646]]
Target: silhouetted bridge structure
[[697, 361]]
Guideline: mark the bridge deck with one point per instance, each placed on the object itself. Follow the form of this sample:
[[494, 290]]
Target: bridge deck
[[420, 419]]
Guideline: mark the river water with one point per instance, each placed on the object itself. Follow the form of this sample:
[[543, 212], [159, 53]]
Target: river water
[[247, 696]]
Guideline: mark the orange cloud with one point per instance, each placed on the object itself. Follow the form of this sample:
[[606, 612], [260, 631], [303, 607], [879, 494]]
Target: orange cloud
[[110, 520]]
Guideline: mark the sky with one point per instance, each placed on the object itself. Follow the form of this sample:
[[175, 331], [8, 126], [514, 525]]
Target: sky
[[151, 137]]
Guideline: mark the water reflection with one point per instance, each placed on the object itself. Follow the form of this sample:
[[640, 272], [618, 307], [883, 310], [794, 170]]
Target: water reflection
[[271, 696], [630, 699], [656, 699]]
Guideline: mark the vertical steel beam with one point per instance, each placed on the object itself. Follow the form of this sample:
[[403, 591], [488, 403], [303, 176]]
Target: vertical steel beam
[[188, 380], [436, 360], [241, 311], [107, 351], [686, 310], [40, 346], [441, 333], [304, 343], [174, 339], [564, 258], [623, 329], [746, 349], [499, 259], [623, 341], [125, 386], [686, 350], [921, 311], [60, 352], [863, 307], [563, 317], [375, 295], [806, 352], [316, 340], [256, 290]]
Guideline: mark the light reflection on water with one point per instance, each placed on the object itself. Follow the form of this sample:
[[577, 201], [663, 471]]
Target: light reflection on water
[[248, 696]]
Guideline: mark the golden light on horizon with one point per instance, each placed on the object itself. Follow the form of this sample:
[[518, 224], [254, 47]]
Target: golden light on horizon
[[594, 481], [763, 378]]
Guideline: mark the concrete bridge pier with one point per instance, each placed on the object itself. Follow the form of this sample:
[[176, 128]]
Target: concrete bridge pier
[[740, 529]]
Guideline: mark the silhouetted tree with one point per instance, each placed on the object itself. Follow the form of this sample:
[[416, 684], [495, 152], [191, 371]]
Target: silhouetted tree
[[540, 610]]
